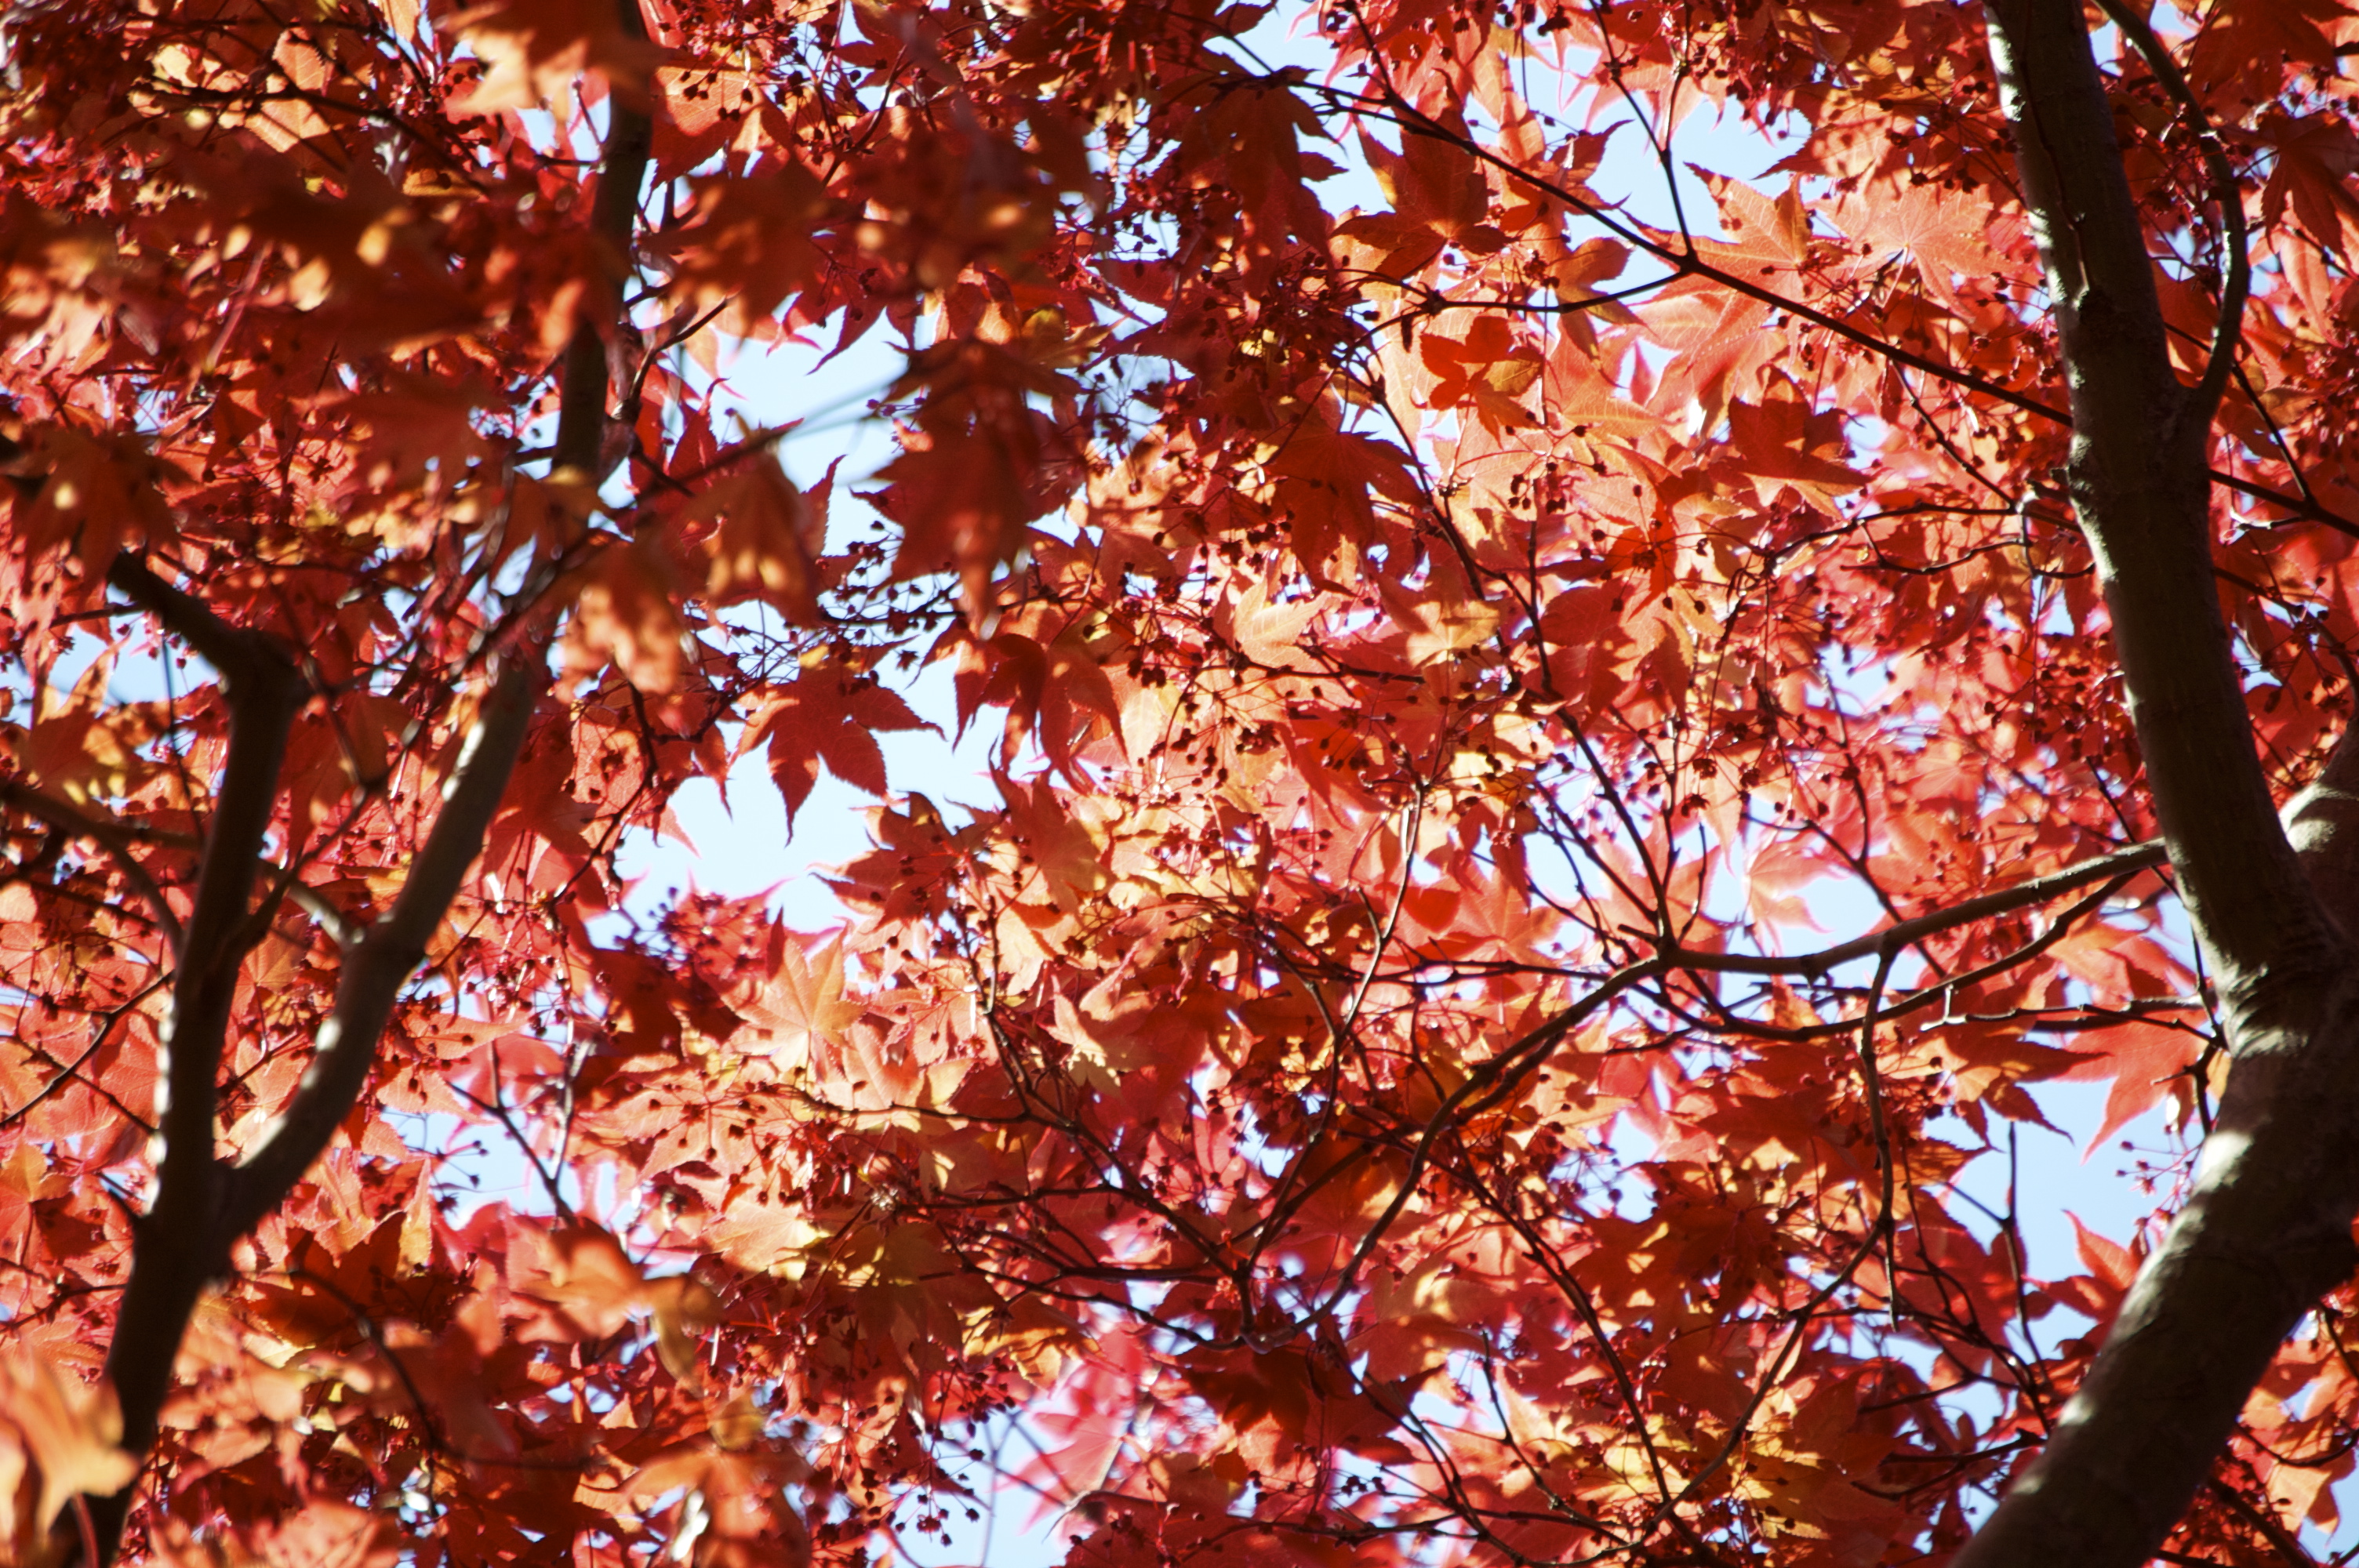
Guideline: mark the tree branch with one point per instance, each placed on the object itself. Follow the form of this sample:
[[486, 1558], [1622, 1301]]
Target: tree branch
[[117, 836], [178, 1247], [581, 399], [2203, 400], [1689, 263], [391, 950], [109, 835], [1893, 937], [234, 650]]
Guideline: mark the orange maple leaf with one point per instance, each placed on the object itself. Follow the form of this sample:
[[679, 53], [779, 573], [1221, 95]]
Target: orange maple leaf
[[830, 715]]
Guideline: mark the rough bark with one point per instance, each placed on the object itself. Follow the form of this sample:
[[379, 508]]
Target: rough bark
[[2266, 1228]]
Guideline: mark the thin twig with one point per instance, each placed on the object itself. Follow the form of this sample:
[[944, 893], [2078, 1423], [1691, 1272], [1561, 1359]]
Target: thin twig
[[2204, 398], [108, 836]]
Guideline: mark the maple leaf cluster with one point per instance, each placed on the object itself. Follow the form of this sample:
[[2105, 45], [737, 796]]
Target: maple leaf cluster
[[1370, 1085]]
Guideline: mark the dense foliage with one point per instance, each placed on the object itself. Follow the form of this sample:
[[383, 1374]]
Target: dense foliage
[[1371, 1089]]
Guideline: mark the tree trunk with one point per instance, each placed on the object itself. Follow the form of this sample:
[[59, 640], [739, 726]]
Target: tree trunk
[[2266, 1229]]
